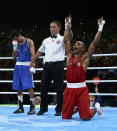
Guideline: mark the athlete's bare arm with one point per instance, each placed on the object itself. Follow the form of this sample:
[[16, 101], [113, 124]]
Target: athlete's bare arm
[[14, 54], [38, 53], [93, 45], [67, 47], [32, 48], [68, 35]]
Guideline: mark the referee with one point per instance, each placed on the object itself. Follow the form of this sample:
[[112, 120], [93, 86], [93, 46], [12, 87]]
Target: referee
[[53, 69]]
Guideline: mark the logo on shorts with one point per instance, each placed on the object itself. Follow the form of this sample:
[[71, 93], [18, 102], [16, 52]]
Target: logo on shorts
[[78, 64], [70, 63]]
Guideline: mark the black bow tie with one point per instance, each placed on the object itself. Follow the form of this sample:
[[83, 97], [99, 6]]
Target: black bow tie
[[53, 36]]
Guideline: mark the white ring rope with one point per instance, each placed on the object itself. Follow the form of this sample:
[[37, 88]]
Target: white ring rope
[[111, 54], [10, 58], [87, 81], [89, 68], [94, 55], [54, 93]]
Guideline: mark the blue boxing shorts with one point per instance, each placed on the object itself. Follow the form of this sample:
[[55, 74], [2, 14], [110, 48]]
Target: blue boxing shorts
[[22, 79]]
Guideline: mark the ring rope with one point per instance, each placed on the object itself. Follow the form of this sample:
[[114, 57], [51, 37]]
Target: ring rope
[[94, 55], [89, 68], [87, 81], [54, 93]]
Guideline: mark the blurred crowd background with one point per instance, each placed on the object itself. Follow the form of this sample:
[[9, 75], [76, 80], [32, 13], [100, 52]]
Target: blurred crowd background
[[85, 31]]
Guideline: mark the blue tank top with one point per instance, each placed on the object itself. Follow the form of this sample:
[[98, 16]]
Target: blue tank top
[[24, 54]]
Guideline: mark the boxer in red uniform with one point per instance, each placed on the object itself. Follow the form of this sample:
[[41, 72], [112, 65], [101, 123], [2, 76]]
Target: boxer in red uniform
[[76, 93]]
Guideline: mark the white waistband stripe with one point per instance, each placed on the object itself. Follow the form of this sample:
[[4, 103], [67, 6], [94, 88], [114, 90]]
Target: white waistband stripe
[[23, 63], [76, 85]]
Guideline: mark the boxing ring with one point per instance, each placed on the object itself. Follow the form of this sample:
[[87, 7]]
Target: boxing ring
[[22, 122]]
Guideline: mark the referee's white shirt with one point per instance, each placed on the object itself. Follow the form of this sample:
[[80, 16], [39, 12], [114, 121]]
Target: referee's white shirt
[[53, 48]]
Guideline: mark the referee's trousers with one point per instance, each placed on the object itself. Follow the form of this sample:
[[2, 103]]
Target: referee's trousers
[[52, 71]]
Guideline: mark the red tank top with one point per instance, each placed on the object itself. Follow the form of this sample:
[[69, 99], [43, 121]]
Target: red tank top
[[75, 71]]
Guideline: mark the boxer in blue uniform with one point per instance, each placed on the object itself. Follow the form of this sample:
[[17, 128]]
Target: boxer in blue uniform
[[23, 51]]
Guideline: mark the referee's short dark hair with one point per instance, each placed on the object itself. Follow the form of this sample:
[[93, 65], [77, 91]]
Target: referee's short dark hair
[[56, 22], [14, 33]]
